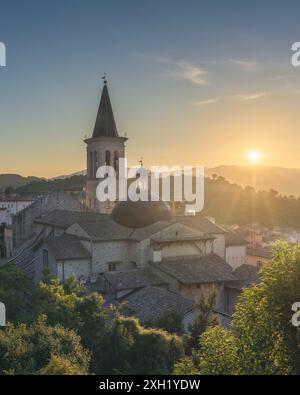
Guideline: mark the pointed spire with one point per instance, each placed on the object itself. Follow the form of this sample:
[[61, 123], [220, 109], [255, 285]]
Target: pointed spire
[[105, 122]]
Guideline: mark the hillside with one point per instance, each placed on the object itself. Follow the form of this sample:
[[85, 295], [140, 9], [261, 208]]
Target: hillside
[[15, 180], [74, 184], [231, 203], [284, 180]]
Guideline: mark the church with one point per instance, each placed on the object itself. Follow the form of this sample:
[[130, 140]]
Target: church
[[155, 267], [105, 147]]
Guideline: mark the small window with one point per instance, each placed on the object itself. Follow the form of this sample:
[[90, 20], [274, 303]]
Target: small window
[[111, 267]]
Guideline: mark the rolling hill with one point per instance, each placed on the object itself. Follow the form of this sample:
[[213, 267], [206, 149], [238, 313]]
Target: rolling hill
[[15, 180], [263, 178]]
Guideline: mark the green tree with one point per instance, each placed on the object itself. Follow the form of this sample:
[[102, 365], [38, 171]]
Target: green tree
[[14, 292], [28, 349], [267, 341], [128, 348], [61, 366], [219, 353], [262, 339], [170, 322], [205, 318]]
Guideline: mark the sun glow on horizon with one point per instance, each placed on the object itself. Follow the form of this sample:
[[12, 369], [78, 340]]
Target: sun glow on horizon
[[254, 156]]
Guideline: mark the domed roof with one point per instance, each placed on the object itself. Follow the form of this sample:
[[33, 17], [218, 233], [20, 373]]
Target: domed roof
[[140, 213]]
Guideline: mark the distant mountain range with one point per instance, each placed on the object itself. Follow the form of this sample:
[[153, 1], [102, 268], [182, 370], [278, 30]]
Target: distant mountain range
[[284, 180]]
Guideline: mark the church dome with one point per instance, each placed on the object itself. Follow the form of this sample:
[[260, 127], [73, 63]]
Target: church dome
[[140, 213]]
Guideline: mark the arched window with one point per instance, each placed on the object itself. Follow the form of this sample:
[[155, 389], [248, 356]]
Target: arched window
[[116, 160], [107, 158], [95, 162]]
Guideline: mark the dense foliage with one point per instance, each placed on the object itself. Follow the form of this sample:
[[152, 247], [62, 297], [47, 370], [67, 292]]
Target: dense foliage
[[245, 205], [68, 332], [58, 329], [261, 339], [39, 348]]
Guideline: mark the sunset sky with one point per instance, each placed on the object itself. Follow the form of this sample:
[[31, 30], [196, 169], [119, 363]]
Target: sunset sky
[[191, 82]]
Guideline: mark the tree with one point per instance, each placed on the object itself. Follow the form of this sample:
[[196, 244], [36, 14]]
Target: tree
[[219, 353], [61, 366], [8, 190], [262, 339], [128, 348], [59, 305], [267, 341], [40, 348], [204, 319], [170, 322], [14, 292]]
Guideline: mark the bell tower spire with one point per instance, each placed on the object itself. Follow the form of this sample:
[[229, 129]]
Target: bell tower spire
[[105, 124], [104, 148]]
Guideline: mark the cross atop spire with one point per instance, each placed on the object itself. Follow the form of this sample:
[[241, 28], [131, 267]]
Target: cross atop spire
[[104, 79], [105, 122]]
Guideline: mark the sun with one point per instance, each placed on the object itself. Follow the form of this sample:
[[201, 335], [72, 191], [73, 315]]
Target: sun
[[254, 156]]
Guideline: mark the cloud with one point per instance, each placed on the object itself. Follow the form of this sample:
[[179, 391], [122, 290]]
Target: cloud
[[245, 65], [187, 71], [238, 97], [205, 102], [247, 97]]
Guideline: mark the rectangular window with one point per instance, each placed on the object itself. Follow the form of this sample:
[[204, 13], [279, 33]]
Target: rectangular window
[[111, 267]]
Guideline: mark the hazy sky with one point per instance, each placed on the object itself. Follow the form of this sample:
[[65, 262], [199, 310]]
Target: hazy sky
[[191, 82]]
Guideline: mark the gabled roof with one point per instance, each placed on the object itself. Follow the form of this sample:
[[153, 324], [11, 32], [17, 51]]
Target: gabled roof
[[201, 223], [105, 122], [105, 229], [129, 279], [66, 247], [246, 275], [144, 233], [196, 269], [151, 303], [64, 218]]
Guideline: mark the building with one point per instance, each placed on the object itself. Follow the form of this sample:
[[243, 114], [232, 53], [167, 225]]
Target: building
[[155, 267], [23, 222], [236, 246], [10, 206], [259, 257], [149, 304], [105, 147]]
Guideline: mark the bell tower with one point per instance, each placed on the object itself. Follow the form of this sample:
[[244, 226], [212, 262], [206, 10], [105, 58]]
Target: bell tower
[[105, 147]]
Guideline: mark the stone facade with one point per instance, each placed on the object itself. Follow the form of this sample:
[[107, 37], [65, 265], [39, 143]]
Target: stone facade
[[101, 151]]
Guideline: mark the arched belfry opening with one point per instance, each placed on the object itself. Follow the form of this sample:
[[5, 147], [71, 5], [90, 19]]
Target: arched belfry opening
[[107, 158], [104, 147], [116, 161]]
